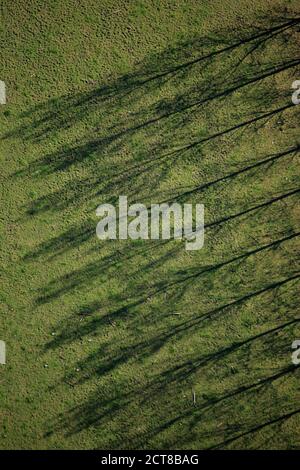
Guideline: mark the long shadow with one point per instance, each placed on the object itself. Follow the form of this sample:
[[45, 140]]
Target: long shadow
[[192, 124]]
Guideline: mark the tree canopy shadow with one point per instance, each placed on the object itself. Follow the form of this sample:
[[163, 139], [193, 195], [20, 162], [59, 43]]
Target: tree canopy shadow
[[209, 120]]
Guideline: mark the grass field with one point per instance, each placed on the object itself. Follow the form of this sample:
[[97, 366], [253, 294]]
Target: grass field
[[159, 100]]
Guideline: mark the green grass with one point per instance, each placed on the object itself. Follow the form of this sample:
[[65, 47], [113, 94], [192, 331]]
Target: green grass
[[162, 101]]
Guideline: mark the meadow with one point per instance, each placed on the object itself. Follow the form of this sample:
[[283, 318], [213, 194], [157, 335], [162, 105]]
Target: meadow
[[141, 344]]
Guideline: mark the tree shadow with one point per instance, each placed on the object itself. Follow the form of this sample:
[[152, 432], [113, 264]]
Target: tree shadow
[[188, 125]]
